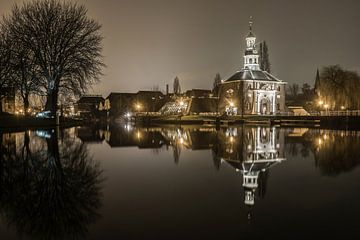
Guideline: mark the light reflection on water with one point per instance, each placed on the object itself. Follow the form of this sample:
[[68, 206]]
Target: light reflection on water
[[90, 182]]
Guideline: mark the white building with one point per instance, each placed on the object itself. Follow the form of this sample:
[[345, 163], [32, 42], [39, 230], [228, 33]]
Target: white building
[[252, 90]]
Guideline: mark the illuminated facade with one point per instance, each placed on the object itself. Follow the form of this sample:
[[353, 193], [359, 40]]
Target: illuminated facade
[[252, 153], [251, 90]]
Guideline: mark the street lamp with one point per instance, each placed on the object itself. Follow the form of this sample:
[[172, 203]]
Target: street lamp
[[326, 106]]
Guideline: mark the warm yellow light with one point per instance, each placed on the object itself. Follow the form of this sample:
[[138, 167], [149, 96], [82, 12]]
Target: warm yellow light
[[321, 102], [181, 103], [231, 139], [232, 104], [342, 107], [138, 135], [138, 106], [181, 141], [326, 105], [320, 141]]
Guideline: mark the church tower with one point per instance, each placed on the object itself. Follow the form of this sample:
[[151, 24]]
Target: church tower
[[251, 57]]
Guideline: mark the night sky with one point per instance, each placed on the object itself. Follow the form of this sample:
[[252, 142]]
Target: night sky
[[149, 42]]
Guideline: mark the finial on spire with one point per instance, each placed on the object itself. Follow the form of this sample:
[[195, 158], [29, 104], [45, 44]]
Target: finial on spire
[[250, 23]]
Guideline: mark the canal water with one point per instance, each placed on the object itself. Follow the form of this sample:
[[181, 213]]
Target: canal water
[[127, 182]]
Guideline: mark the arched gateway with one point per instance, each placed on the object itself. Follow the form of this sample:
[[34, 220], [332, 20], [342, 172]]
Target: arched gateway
[[252, 90]]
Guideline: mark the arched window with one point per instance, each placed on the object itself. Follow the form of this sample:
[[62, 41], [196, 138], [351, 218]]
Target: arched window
[[250, 60]]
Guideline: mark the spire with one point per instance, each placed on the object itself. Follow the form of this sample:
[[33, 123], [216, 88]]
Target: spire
[[250, 27], [250, 24]]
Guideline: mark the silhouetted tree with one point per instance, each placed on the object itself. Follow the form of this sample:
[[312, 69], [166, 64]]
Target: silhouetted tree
[[339, 87], [317, 83], [177, 87], [25, 73], [216, 84], [293, 90], [307, 92], [264, 59], [5, 68], [65, 44]]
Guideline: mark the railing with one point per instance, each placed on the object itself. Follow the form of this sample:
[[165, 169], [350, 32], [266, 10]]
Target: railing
[[324, 113]]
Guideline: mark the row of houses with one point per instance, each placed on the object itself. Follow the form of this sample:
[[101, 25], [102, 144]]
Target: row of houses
[[118, 104]]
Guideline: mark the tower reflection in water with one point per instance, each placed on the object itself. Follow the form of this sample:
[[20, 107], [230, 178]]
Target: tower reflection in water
[[251, 151]]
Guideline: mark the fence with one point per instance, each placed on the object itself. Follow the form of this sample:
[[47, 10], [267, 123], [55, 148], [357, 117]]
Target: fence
[[326, 113]]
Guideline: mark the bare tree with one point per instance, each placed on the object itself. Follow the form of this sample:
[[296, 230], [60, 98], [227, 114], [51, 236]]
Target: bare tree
[[293, 90], [25, 74], [65, 43], [5, 68]]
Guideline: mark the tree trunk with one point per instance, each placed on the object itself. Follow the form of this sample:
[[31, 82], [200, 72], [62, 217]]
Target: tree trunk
[[26, 105], [53, 150], [51, 102], [1, 99]]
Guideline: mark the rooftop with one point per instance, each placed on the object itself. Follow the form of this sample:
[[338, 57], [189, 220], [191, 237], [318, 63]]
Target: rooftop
[[247, 74]]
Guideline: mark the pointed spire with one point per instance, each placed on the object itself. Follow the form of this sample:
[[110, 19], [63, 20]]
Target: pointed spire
[[250, 23], [250, 27]]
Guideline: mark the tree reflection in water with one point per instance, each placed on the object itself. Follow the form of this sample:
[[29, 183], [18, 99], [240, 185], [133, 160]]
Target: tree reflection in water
[[334, 151], [50, 189]]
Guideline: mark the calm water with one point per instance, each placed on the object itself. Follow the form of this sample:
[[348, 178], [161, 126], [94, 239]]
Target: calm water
[[179, 183]]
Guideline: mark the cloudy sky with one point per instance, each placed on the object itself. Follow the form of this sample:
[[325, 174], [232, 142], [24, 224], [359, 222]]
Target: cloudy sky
[[150, 42]]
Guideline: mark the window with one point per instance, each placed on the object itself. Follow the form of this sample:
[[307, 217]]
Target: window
[[278, 106], [250, 60]]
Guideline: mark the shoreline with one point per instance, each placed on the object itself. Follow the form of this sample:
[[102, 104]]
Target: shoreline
[[14, 123], [18, 123]]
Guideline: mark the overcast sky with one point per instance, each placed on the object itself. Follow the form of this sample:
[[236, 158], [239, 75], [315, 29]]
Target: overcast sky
[[150, 42]]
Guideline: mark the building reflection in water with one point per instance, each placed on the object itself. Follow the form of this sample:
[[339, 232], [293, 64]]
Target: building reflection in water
[[251, 151], [50, 188]]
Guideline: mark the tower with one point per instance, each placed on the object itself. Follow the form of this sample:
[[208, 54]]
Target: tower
[[251, 57]]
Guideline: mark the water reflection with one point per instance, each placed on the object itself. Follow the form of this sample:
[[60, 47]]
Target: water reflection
[[334, 152], [49, 185], [251, 151]]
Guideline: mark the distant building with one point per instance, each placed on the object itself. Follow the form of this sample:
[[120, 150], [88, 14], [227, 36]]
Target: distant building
[[7, 101], [142, 101], [193, 102], [251, 90], [197, 93], [88, 105]]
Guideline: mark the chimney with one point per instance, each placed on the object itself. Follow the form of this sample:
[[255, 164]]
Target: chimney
[[167, 89]]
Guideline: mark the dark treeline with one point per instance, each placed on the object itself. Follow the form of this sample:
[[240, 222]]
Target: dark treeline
[[334, 87], [338, 88], [49, 48]]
